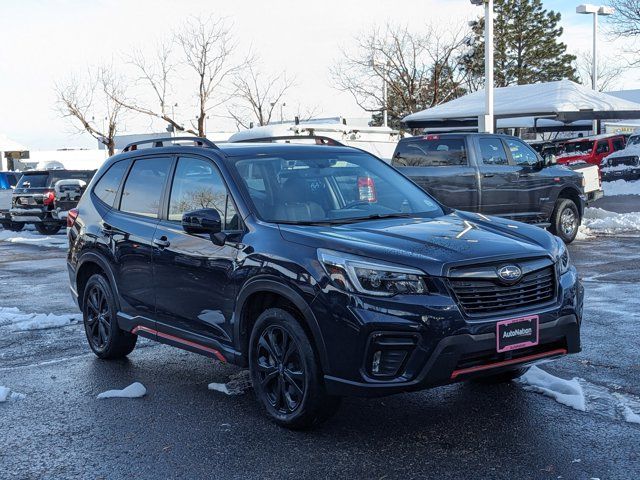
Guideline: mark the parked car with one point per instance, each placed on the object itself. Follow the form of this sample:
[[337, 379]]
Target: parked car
[[37, 201], [494, 175], [320, 267], [8, 181], [590, 149], [623, 164]]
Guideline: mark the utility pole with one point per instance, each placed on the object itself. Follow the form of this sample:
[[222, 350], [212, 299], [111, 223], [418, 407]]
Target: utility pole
[[487, 122]]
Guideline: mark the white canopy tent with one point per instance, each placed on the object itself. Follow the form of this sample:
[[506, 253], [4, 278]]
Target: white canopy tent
[[563, 101]]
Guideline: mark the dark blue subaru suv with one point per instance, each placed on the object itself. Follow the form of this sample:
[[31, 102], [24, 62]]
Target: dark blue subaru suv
[[319, 267]]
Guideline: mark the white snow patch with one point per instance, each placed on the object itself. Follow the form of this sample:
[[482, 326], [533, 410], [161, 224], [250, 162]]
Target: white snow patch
[[135, 390], [566, 392], [599, 221], [29, 238], [238, 384], [18, 320], [7, 394], [630, 416], [621, 187]]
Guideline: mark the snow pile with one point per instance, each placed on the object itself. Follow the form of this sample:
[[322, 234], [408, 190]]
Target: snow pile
[[237, 384], [599, 221], [135, 390], [18, 320], [621, 187], [566, 392], [30, 238], [6, 394]]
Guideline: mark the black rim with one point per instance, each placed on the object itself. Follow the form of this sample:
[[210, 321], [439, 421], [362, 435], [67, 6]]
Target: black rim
[[280, 369], [98, 321]]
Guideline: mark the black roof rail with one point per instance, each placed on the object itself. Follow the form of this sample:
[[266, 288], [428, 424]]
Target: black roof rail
[[320, 140], [160, 142]]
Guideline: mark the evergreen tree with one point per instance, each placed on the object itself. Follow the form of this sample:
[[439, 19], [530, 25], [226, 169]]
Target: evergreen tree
[[526, 43]]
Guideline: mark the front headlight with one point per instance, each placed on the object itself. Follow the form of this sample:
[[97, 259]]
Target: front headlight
[[372, 277], [564, 261]]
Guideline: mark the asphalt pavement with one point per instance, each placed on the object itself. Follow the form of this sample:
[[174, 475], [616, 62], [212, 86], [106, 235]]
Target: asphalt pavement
[[180, 429]]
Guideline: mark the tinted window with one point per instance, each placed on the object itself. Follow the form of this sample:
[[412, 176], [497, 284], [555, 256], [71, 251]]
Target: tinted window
[[634, 140], [107, 186], [603, 147], [521, 153], [323, 186], [578, 148], [618, 144], [143, 187], [34, 180], [431, 151], [197, 184], [492, 152], [85, 175]]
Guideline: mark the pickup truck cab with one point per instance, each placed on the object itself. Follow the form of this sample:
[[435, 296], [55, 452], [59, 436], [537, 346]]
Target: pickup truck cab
[[494, 175], [8, 181], [590, 149]]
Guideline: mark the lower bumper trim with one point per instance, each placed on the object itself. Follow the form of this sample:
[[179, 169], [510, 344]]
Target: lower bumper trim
[[506, 363]]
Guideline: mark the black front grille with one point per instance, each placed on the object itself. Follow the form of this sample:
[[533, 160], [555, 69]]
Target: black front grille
[[619, 161], [483, 296]]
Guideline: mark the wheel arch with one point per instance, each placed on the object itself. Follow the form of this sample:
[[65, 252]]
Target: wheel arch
[[573, 194], [259, 294], [89, 264]]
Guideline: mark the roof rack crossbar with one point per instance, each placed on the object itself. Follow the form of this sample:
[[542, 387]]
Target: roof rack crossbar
[[320, 140], [164, 142]]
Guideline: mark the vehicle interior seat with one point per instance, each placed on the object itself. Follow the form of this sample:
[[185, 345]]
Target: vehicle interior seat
[[296, 205]]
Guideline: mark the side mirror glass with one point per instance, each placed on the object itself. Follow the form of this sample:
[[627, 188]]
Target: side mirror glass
[[206, 220], [551, 159]]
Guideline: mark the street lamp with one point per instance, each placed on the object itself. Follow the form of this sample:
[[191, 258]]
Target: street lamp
[[595, 10], [487, 122]]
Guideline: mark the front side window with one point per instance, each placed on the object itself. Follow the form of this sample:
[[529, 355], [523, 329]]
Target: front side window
[[107, 187], [431, 151], [197, 184], [492, 152], [603, 147], [143, 188], [521, 153], [618, 144], [330, 187]]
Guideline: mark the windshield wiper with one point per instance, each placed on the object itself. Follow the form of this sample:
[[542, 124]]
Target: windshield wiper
[[375, 216]]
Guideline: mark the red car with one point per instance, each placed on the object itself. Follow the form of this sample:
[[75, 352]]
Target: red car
[[590, 149]]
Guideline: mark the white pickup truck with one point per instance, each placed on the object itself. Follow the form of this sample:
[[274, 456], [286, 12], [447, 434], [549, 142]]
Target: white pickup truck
[[8, 181]]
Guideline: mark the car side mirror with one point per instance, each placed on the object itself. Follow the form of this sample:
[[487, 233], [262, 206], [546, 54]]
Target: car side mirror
[[206, 220], [550, 160]]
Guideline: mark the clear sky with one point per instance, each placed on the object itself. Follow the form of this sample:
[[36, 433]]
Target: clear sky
[[43, 41]]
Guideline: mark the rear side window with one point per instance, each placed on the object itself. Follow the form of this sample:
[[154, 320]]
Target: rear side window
[[35, 180], [492, 152], [143, 188], [603, 147], [431, 151], [107, 186]]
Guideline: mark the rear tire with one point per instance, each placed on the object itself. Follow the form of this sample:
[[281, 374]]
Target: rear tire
[[285, 373], [48, 228], [502, 377], [565, 220], [105, 338]]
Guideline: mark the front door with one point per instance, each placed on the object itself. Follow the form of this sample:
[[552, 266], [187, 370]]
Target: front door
[[193, 276], [498, 178]]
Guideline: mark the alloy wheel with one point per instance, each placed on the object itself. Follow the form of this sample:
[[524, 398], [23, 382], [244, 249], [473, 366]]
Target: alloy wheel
[[568, 222], [280, 369], [98, 318]]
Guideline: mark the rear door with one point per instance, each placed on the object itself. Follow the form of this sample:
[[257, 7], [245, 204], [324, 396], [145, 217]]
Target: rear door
[[498, 177], [129, 230], [440, 165]]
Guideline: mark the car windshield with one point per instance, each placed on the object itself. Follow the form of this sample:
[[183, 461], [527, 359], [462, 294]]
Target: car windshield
[[579, 147], [635, 140], [330, 188]]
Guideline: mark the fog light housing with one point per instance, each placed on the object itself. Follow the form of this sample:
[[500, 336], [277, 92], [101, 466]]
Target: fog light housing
[[388, 353]]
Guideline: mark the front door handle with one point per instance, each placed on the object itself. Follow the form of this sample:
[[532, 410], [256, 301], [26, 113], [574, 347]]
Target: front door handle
[[162, 242], [487, 175]]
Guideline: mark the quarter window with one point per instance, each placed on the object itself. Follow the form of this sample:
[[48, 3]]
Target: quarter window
[[197, 184], [107, 186], [143, 188], [492, 152]]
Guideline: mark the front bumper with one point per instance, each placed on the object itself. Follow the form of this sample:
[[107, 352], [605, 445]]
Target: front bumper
[[631, 173], [444, 346], [593, 196]]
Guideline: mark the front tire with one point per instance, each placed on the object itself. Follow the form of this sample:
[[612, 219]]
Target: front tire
[[105, 338], [47, 228], [565, 220], [285, 372]]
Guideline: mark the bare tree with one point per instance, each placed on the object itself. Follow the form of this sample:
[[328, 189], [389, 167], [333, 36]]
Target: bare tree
[[420, 69], [88, 103], [625, 23], [609, 71], [257, 95]]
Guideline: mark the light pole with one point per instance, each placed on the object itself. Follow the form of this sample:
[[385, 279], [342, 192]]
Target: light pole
[[488, 122], [595, 10]]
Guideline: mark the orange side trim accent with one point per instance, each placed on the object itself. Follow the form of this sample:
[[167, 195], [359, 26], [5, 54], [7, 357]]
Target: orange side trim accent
[[218, 355]]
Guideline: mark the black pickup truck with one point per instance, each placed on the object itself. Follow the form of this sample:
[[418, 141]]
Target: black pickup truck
[[494, 175]]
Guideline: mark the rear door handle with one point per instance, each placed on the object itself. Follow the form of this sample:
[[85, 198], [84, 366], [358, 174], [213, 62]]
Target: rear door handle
[[162, 242], [487, 175]]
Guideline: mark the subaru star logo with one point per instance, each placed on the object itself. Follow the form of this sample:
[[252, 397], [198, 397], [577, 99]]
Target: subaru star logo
[[510, 273]]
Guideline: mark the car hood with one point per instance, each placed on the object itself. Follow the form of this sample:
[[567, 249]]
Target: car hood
[[431, 244]]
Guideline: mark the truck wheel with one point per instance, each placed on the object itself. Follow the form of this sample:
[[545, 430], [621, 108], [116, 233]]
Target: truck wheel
[[285, 373], [48, 228], [565, 220]]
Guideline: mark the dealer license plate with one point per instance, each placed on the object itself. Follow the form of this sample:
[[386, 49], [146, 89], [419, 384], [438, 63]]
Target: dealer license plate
[[517, 333]]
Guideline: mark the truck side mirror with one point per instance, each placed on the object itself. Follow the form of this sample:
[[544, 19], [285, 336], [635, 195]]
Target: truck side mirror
[[550, 160]]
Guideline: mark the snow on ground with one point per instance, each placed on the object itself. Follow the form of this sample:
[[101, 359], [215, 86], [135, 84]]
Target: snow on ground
[[599, 221], [6, 394], [621, 187], [238, 384], [33, 238], [567, 392], [135, 390], [18, 320]]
